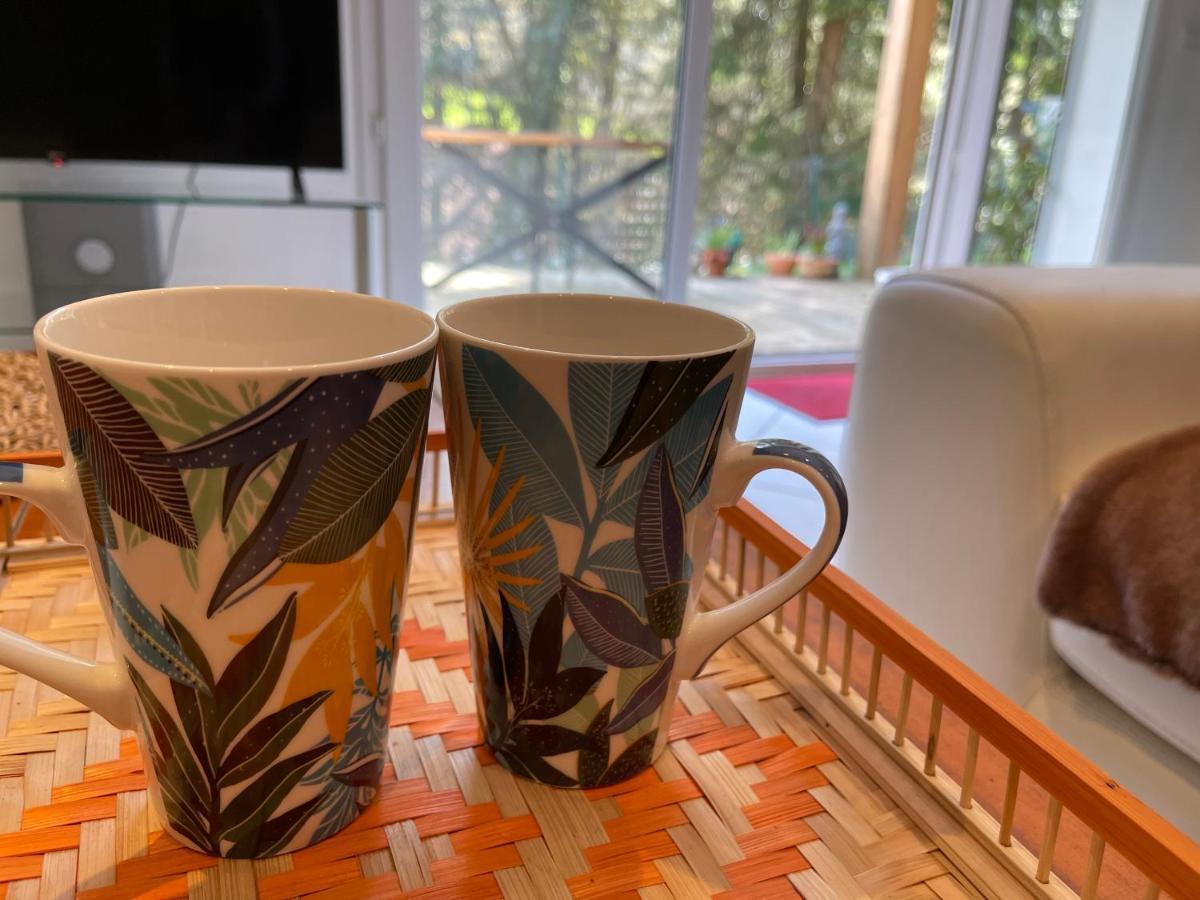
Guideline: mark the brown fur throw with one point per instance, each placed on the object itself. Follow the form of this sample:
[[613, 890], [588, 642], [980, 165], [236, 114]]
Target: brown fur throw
[[1124, 555]]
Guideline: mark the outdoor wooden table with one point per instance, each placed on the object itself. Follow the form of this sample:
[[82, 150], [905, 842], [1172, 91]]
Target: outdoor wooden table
[[832, 752], [543, 216]]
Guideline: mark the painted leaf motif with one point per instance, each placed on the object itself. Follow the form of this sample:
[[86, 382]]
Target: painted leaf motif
[[665, 608], [617, 565], [118, 441], [99, 517], [563, 693], [664, 394], [267, 739], [146, 635], [646, 698], [632, 760], [575, 654], [621, 506], [274, 835], [546, 643], [407, 370], [695, 439], [180, 765], [547, 740], [593, 759], [609, 626], [515, 416], [658, 530], [598, 394], [514, 654], [197, 708], [536, 573], [495, 690], [250, 678], [247, 811], [356, 488], [536, 768]]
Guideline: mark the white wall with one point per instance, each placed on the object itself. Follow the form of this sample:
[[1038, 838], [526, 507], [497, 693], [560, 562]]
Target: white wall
[[1099, 87], [1155, 214]]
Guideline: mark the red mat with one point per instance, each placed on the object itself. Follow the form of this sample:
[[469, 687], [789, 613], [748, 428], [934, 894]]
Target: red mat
[[820, 395]]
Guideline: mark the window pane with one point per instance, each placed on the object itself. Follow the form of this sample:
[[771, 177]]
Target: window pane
[[547, 132], [1027, 114]]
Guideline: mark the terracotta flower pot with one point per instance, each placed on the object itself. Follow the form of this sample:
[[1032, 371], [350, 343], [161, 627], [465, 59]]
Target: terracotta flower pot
[[715, 262], [780, 264], [818, 266]]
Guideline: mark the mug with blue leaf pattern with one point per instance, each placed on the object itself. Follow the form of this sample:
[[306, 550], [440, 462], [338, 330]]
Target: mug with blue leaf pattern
[[591, 446]]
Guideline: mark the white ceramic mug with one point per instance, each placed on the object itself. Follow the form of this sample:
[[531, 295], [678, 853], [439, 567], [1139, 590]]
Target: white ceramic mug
[[592, 443], [242, 464]]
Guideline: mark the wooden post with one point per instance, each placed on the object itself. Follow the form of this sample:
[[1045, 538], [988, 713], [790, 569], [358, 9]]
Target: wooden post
[[911, 25]]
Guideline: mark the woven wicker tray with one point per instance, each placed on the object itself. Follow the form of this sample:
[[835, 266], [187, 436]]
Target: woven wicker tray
[[834, 752], [748, 801]]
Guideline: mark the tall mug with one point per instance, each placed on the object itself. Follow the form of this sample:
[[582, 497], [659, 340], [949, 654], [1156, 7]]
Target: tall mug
[[242, 465], [591, 445]]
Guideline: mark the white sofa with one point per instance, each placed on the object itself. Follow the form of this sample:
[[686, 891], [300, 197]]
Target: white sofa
[[981, 398]]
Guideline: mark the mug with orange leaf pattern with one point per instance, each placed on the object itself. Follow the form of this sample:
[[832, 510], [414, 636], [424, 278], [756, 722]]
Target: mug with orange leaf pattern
[[242, 465]]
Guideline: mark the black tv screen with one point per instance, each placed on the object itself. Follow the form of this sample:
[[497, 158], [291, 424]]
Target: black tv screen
[[244, 82]]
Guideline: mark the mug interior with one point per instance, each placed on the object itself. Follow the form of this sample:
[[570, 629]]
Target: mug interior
[[594, 325], [235, 327]]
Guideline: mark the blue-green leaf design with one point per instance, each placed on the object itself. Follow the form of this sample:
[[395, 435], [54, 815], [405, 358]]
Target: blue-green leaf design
[[542, 566], [692, 445], [598, 394], [617, 565], [146, 635], [513, 414]]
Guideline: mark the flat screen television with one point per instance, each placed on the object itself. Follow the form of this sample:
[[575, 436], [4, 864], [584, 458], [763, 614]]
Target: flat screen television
[[242, 82]]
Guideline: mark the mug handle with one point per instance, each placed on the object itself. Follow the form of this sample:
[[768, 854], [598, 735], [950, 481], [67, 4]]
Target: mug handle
[[99, 686], [734, 469]]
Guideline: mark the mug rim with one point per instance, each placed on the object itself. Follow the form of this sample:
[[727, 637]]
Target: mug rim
[[42, 340], [746, 338]]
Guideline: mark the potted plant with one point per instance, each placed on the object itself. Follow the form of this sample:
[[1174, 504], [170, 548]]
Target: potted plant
[[719, 245], [814, 263], [780, 258]]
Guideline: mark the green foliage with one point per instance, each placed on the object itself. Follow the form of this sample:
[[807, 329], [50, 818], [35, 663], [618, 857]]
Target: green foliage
[[1031, 91]]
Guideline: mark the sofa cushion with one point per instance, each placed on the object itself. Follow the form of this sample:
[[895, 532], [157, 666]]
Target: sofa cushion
[[1164, 704]]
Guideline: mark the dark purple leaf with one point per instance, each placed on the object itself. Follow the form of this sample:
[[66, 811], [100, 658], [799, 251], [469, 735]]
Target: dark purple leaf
[[547, 740], [535, 768], [495, 691], [568, 688], [634, 759], [546, 642], [665, 609], [609, 626], [667, 390], [593, 759], [514, 653], [658, 531], [407, 370], [646, 697], [362, 772]]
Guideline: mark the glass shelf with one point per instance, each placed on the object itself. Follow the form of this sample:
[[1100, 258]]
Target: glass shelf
[[131, 197]]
